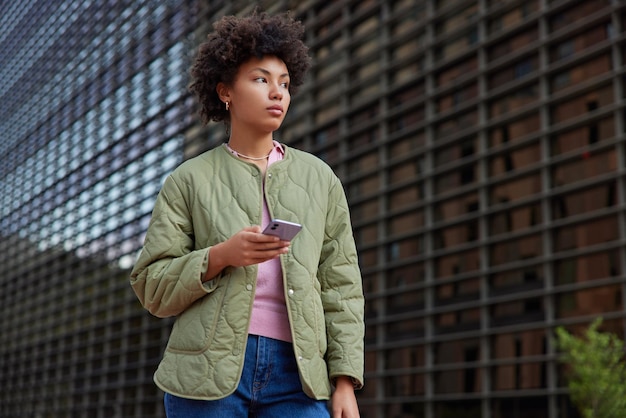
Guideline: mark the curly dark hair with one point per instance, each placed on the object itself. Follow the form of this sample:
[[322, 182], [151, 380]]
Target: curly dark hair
[[234, 41]]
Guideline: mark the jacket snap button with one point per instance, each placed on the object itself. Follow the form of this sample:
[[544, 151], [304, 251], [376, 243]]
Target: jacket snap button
[[269, 175], [290, 292], [249, 286]]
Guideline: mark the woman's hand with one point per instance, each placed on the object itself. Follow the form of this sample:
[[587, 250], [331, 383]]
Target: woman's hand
[[343, 402], [247, 247]]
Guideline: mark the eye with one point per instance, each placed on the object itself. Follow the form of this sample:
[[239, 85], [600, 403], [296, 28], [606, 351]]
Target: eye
[[285, 85], [260, 79]]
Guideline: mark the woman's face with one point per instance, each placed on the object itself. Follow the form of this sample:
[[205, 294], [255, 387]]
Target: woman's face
[[259, 96]]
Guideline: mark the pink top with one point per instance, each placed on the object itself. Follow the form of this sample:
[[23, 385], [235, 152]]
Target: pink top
[[269, 310]]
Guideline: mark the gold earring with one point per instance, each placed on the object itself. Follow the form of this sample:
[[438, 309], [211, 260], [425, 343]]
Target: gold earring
[[227, 105]]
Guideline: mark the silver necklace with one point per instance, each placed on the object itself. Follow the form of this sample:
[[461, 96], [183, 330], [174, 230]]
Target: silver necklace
[[248, 157]]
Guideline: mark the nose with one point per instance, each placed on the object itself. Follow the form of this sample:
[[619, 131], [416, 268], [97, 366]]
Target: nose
[[276, 93]]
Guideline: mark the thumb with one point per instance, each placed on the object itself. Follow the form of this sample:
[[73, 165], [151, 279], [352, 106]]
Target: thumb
[[253, 228]]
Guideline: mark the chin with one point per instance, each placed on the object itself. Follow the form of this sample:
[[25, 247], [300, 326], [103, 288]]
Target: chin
[[273, 127]]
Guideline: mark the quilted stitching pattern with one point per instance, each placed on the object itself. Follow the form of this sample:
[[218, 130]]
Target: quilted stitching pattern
[[205, 352]]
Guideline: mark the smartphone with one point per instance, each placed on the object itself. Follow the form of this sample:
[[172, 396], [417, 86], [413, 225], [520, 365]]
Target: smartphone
[[285, 230]]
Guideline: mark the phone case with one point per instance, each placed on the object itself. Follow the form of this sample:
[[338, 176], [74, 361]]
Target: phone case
[[285, 230]]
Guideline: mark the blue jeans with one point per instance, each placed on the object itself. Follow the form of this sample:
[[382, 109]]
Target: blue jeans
[[269, 387]]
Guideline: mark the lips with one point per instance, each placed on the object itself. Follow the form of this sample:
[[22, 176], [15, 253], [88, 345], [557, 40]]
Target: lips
[[275, 110]]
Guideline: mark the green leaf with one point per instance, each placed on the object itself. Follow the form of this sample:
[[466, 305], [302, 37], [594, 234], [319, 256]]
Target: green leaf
[[596, 371]]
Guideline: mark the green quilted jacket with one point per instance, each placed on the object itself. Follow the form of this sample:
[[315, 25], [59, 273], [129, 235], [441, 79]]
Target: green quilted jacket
[[205, 201]]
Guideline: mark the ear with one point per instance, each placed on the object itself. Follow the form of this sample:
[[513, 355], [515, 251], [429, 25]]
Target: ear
[[223, 92]]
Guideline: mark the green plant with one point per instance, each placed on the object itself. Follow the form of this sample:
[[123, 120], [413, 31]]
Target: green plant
[[596, 371]]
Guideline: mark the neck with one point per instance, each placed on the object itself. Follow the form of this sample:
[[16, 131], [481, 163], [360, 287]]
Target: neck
[[249, 142], [249, 157]]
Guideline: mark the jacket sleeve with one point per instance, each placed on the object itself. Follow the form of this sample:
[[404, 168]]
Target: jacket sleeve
[[342, 292], [167, 275]]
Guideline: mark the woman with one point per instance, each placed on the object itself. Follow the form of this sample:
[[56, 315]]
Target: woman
[[264, 327]]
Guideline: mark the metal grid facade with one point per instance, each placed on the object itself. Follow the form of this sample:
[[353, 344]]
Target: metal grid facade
[[92, 113], [482, 145]]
